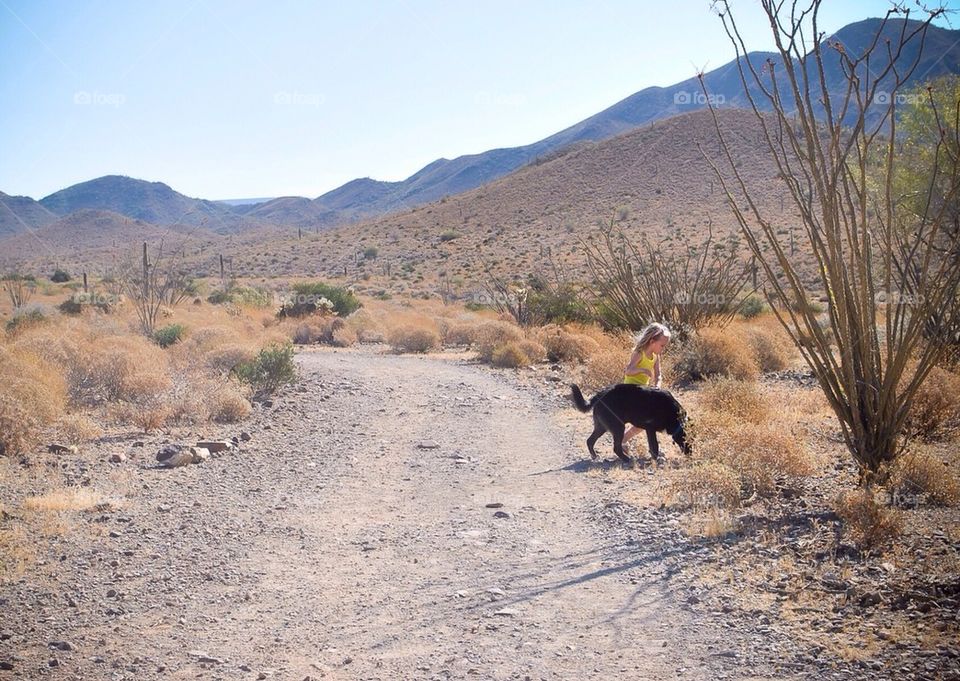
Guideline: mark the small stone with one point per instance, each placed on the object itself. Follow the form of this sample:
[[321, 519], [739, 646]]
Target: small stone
[[62, 449], [501, 514], [174, 456], [61, 645], [6, 665], [215, 446], [245, 436], [495, 504], [428, 444], [199, 454], [53, 662], [505, 612], [118, 457]]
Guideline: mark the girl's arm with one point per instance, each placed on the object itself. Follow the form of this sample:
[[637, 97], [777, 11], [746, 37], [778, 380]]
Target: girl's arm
[[656, 372]]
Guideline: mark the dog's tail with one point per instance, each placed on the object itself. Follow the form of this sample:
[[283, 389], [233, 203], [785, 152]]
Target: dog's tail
[[578, 400]]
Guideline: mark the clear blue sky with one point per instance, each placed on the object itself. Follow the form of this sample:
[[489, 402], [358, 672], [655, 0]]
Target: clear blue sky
[[227, 99]]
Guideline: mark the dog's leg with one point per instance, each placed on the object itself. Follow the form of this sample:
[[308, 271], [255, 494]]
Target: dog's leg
[[654, 445], [598, 430], [616, 430]]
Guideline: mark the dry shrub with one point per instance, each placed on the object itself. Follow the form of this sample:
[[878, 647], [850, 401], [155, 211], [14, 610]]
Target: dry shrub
[[935, 410], [604, 368], [566, 346], [715, 523], [773, 350], [534, 351], [77, 428], [868, 524], [759, 453], [308, 333], [715, 352], [223, 358], [919, 472], [706, 485], [65, 499], [365, 326], [410, 338], [122, 368], [229, 406], [343, 337], [459, 333], [509, 355], [33, 395], [149, 418], [741, 399], [492, 334]]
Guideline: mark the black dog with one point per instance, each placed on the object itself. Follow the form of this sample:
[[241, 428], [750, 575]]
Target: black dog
[[649, 408]]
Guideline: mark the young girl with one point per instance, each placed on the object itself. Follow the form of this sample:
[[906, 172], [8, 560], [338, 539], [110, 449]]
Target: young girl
[[644, 366]]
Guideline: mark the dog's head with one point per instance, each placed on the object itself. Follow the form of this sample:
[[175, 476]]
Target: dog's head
[[679, 432]]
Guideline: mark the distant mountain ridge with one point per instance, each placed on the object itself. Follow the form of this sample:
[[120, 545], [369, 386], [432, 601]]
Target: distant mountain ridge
[[157, 203], [152, 202]]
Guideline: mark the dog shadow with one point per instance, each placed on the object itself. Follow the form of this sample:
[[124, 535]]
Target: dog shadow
[[601, 465]]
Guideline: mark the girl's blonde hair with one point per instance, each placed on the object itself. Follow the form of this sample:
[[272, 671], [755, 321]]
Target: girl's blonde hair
[[651, 333]]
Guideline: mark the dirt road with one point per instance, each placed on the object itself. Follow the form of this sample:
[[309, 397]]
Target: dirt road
[[392, 517]]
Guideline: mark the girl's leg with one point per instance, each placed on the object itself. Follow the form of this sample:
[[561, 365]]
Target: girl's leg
[[631, 431]]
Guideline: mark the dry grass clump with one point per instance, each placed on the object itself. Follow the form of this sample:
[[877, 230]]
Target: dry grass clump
[[716, 352], [64, 499], [737, 398], [77, 428], [456, 333], [604, 368], [509, 355], [761, 454], [222, 359], [32, 396], [772, 348], [228, 405], [868, 524], [121, 369], [534, 351], [343, 337], [490, 335], [918, 472], [366, 327], [413, 338], [935, 410], [706, 485], [566, 346]]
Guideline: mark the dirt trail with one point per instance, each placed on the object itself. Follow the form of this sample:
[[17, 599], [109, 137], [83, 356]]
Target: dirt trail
[[357, 536]]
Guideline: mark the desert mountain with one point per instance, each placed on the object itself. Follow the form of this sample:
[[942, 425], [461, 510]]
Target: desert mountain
[[20, 214], [152, 202], [654, 181]]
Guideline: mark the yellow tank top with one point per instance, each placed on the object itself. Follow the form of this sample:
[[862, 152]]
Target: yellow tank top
[[645, 362]]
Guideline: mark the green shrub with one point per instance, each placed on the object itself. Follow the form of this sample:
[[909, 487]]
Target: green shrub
[[272, 368], [370, 252], [168, 335], [26, 318], [60, 277], [449, 235], [344, 301], [751, 307]]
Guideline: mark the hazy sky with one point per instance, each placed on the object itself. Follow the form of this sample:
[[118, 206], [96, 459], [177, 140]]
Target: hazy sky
[[227, 99]]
